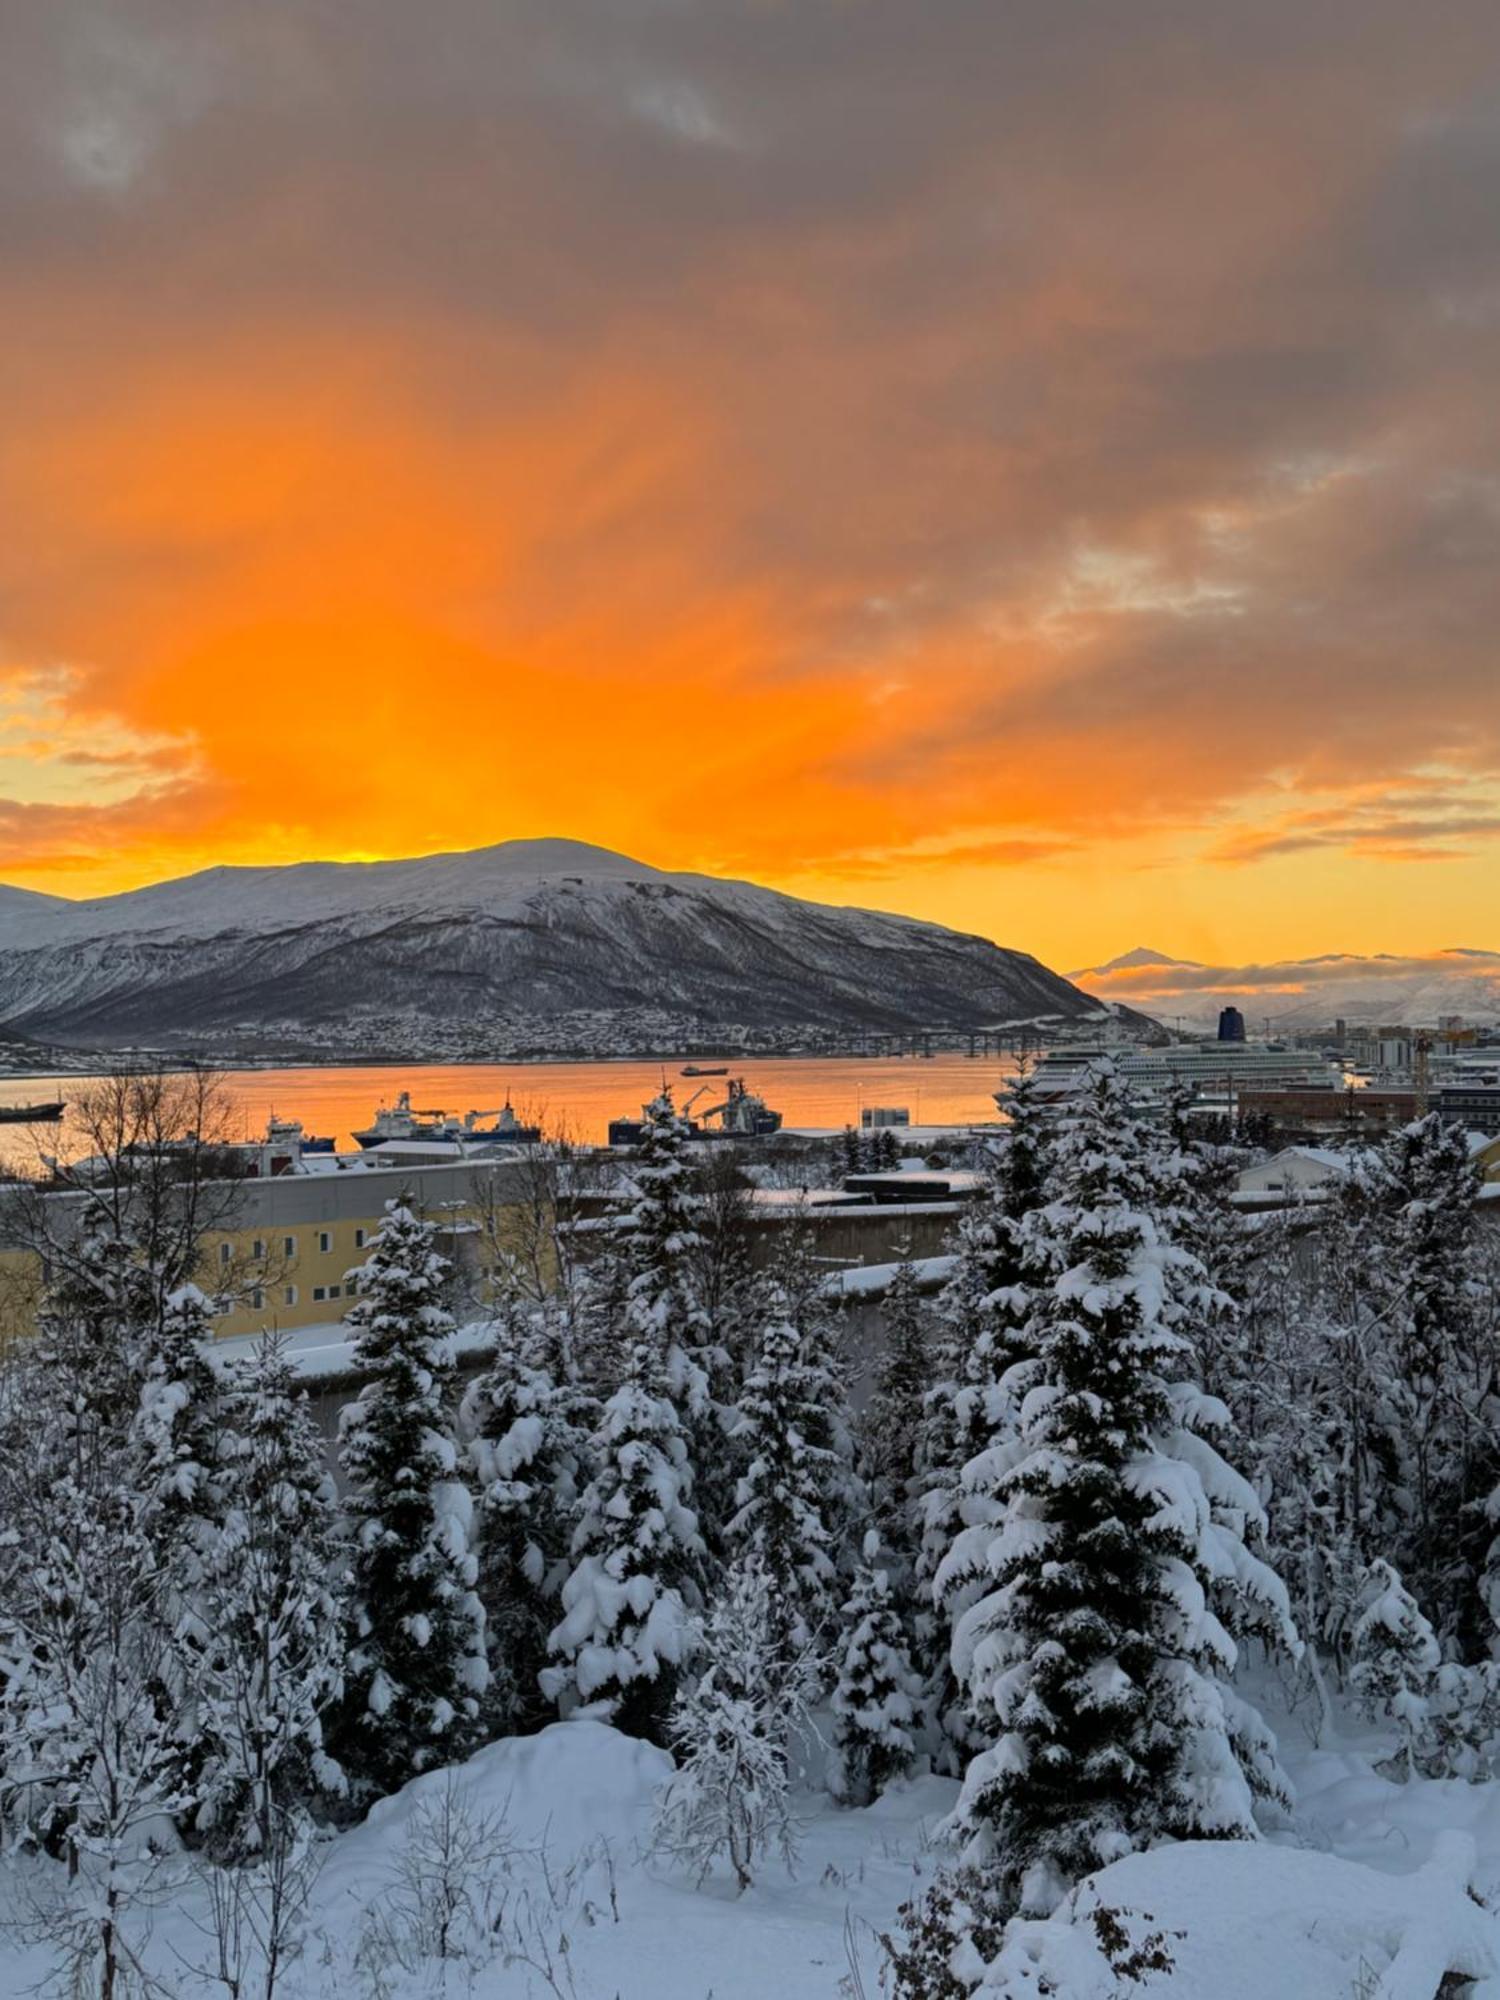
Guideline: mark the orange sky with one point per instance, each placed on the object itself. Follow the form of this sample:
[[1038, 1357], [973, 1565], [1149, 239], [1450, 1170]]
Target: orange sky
[[1031, 474]]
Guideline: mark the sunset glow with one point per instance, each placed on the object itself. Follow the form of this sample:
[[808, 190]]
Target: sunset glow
[[1043, 480]]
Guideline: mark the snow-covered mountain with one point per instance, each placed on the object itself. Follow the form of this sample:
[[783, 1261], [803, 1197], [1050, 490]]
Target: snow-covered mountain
[[1303, 993], [1136, 958], [532, 944]]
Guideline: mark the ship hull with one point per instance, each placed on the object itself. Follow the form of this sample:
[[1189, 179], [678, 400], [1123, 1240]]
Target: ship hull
[[30, 1114], [520, 1135]]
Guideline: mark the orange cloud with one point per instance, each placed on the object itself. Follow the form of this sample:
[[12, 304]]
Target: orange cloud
[[996, 473]]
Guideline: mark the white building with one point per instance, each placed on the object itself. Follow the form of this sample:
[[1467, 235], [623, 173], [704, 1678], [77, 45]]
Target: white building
[[1296, 1171]]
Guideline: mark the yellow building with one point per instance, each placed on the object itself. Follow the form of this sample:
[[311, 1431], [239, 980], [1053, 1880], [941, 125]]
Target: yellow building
[[282, 1255]]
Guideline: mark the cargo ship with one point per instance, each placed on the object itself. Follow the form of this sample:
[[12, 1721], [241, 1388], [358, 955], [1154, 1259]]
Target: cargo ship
[[31, 1114], [401, 1121], [742, 1115]]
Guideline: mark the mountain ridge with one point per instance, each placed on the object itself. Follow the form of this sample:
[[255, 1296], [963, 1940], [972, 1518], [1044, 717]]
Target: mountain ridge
[[532, 944], [1297, 994]]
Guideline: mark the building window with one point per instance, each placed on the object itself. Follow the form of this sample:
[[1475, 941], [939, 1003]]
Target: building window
[[258, 1247], [320, 1292], [288, 1246], [325, 1241], [359, 1239], [257, 1299], [289, 1295], [226, 1251]]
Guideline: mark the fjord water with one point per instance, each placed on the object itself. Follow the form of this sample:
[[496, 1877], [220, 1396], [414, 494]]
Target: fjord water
[[575, 1098]]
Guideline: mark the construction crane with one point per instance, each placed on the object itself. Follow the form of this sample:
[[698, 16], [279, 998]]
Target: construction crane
[[743, 1113]]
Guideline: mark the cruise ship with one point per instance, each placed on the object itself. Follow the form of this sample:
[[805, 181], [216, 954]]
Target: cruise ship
[[1217, 1067]]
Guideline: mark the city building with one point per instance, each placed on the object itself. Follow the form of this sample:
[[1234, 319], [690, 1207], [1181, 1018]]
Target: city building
[[1331, 1111], [1296, 1172], [1231, 1025], [1314, 1173], [284, 1245]]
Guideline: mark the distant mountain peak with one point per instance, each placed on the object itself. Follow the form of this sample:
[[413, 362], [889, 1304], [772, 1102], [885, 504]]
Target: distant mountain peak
[[1127, 961]]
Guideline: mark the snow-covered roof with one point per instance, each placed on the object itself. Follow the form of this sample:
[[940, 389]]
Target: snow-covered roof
[[326, 1352], [905, 1134], [1337, 1162], [870, 1280]]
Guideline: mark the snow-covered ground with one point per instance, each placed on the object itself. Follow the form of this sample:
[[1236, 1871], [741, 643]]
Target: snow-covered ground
[[1366, 1892], [1363, 1892], [572, 1807]]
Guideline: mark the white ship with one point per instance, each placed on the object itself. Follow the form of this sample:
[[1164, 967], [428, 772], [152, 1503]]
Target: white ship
[[1218, 1068]]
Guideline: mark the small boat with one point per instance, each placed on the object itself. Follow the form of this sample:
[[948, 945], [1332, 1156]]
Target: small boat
[[507, 1129], [288, 1133], [31, 1114], [697, 1069]]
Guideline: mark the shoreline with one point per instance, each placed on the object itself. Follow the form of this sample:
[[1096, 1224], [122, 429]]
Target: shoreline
[[246, 1067]]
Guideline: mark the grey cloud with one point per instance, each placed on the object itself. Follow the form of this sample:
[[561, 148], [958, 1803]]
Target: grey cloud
[[952, 287], [1332, 970]]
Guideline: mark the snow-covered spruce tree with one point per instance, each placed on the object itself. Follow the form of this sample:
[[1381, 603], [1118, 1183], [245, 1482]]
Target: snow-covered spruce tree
[[90, 1349], [1310, 1455], [416, 1667], [1196, 1177], [659, 1244], [124, 1425], [1314, 1416], [729, 1730], [877, 1694], [527, 1427], [1396, 1659], [1095, 1660], [825, 1360], [983, 1332], [91, 1729], [792, 1484], [1424, 1183], [628, 1602], [124, 1363], [656, 1237], [263, 1640], [597, 1352], [891, 1427], [725, 1285], [180, 1431]]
